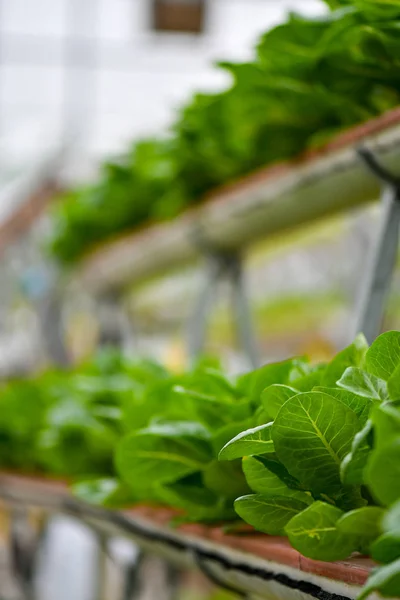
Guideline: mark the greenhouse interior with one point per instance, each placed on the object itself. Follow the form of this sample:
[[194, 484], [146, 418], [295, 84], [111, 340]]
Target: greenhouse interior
[[200, 299]]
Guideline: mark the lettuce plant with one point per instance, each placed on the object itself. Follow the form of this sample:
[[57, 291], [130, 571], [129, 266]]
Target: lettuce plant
[[309, 80], [311, 452], [328, 473], [68, 422]]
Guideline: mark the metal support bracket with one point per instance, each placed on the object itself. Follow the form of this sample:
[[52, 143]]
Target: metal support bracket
[[132, 578], [101, 575], [209, 573], [223, 265], [115, 327], [24, 544], [382, 262]]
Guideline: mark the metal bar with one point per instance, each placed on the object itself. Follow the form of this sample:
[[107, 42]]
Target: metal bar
[[198, 321], [51, 323], [115, 325], [23, 549], [381, 267], [230, 266], [242, 314], [101, 571], [382, 262], [173, 578], [377, 168], [132, 578]]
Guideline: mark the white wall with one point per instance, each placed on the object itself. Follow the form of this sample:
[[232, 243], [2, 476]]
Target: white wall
[[134, 79]]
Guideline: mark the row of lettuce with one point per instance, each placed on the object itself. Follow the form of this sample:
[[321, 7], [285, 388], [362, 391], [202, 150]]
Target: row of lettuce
[[307, 451], [310, 78]]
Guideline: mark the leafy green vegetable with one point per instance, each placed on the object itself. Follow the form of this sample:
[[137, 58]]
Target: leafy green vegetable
[[352, 469], [310, 380], [352, 356], [359, 404], [386, 418], [226, 479], [363, 384], [272, 463], [383, 357], [386, 548], [22, 413], [268, 514], [250, 442], [188, 494], [226, 433], [274, 396], [162, 454], [364, 523], [315, 534], [325, 472], [383, 473], [264, 481], [283, 372], [386, 580], [391, 520], [382, 468], [312, 434], [106, 492], [310, 79]]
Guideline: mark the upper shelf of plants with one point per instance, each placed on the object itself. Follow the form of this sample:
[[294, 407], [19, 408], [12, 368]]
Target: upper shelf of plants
[[285, 132]]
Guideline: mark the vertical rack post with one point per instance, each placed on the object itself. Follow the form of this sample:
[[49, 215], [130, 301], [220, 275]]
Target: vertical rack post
[[241, 310], [203, 305], [222, 265], [115, 328], [23, 549], [51, 321], [382, 262], [101, 570], [132, 578]]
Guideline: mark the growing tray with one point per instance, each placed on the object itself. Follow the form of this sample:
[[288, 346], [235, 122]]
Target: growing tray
[[283, 196], [248, 562]]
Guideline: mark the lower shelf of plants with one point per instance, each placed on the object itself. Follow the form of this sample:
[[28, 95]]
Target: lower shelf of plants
[[308, 453], [266, 566]]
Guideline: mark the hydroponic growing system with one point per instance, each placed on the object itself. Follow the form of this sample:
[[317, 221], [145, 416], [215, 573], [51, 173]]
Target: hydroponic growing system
[[285, 481]]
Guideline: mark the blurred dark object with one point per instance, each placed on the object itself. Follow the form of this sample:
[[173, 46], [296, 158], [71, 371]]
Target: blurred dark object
[[179, 15], [24, 545]]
